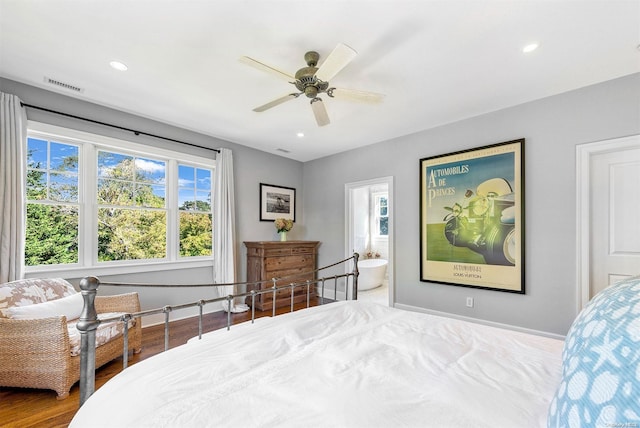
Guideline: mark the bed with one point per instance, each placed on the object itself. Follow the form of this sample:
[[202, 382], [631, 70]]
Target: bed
[[360, 364]]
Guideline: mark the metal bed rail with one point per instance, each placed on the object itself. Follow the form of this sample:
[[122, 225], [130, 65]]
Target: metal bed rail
[[89, 321]]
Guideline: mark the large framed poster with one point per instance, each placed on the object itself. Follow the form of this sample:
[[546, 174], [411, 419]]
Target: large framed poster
[[472, 217]]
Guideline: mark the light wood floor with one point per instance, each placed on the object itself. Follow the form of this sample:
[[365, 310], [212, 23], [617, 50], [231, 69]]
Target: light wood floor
[[22, 408]]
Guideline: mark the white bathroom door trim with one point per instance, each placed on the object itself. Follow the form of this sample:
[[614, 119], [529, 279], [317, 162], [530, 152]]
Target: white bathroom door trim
[[584, 154], [348, 221]]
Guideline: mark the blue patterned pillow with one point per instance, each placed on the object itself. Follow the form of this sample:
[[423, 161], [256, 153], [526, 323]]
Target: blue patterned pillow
[[600, 385]]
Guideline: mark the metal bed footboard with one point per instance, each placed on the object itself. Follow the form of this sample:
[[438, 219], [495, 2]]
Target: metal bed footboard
[[89, 320]]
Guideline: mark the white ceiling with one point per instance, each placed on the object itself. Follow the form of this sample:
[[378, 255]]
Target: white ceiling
[[436, 61]]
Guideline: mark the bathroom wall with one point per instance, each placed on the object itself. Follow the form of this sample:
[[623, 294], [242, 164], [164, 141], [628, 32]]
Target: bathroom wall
[[361, 219]]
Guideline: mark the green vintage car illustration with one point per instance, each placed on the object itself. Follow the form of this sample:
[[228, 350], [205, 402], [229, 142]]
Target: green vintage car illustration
[[485, 222]]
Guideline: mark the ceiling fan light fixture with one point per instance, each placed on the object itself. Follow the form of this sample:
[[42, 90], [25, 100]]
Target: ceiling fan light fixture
[[311, 91]]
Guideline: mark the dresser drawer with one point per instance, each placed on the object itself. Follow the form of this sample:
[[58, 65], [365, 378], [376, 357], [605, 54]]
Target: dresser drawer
[[276, 264], [303, 250]]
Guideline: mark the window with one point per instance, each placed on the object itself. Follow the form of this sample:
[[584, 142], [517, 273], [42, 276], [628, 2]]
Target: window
[[381, 215], [194, 203], [132, 216], [52, 208], [98, 203]]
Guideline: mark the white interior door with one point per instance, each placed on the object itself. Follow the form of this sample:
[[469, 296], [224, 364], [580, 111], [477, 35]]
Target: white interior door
[[606, 204], [615, 216]]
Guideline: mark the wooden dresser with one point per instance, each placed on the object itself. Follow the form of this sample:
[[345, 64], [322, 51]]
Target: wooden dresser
[[275, 259]]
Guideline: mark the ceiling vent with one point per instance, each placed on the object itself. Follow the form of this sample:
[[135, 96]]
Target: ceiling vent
[[60, 84], [283, 150]]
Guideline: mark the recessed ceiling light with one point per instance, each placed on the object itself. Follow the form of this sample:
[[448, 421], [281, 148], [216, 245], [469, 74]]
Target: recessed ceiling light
[[300, 134], [530, 48], [118, 66]]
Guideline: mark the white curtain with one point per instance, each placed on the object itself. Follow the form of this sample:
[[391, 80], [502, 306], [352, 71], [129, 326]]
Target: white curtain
[[13, 166], [224, 228]]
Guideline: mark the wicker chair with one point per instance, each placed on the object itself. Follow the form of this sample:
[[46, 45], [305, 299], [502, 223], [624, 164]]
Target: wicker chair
[[36, 353]]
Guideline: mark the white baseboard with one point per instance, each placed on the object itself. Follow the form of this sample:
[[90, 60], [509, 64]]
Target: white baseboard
[[480, 321]]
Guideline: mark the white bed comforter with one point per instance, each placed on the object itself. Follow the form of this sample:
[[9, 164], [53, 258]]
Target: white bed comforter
[[347, 364]]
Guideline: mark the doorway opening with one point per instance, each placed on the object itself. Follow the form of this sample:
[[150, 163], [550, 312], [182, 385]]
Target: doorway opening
[[369, 232]]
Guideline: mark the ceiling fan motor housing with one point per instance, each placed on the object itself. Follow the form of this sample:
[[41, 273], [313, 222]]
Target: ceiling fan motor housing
[[306, 80]]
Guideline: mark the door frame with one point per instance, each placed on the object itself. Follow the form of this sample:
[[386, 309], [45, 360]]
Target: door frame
[[348, 221], [584, 153]]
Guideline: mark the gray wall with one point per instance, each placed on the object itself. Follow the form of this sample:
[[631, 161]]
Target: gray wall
[[552, 127], [251, 167]]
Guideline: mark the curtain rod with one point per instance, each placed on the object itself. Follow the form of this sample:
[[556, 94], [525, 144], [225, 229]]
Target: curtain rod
[[115, 126]]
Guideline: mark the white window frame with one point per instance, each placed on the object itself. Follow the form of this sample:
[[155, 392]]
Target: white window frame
[[177, 212], [88, 208], [376, 213]]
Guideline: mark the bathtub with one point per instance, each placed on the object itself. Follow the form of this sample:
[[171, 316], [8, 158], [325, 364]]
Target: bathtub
[[372, 273]]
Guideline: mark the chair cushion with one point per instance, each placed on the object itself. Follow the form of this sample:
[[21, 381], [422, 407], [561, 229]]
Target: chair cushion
[[104, 333], [69, 306], [26, 292]]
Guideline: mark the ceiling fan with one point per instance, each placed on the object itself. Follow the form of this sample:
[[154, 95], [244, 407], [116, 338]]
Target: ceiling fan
[[313, 81]]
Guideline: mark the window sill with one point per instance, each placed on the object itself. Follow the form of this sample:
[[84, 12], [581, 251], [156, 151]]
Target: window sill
[[70, 272]]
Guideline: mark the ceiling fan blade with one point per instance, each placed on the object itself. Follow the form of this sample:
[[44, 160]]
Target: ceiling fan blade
[[264, 67], [276, 102], [336, 61], [354, 95], [320, 112]]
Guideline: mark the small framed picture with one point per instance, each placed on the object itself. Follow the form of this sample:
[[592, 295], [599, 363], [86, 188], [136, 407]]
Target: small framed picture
[[277, 202]]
